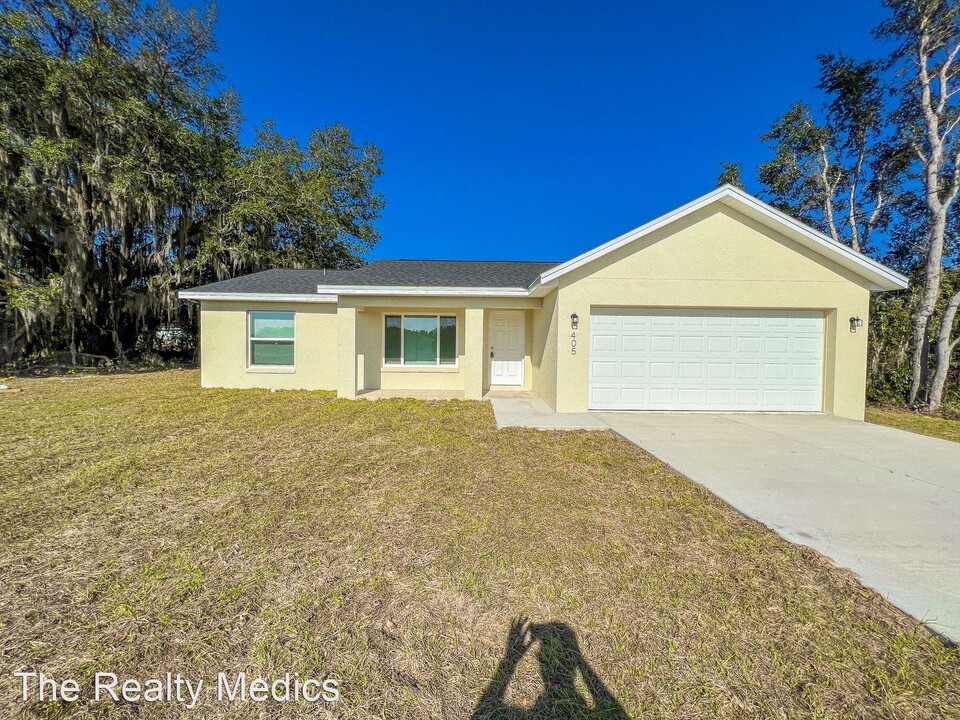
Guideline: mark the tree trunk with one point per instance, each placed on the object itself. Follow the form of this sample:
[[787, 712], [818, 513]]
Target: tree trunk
[[73, 340], [937, 207], [927, 304], [945, 350]]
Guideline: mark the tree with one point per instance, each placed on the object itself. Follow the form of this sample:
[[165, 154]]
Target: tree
[[122, 178], [835, 174], [730, 175], [109, 142], [287, 206], [927, 38]]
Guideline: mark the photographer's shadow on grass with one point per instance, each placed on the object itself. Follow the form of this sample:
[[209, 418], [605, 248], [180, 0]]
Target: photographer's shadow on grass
[[560, 662]]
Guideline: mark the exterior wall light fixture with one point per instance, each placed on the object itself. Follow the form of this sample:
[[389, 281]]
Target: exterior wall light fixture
[[855, 322], [574, 320]]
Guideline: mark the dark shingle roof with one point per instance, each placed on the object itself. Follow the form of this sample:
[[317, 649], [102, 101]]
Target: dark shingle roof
[[443, 273], [392, 273], [277, 282]]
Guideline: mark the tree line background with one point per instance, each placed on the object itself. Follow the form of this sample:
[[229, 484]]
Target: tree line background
[[122, 180]]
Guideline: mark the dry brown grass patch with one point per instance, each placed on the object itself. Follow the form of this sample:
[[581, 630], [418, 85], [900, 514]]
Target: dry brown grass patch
[[147, 525], [940, 426]]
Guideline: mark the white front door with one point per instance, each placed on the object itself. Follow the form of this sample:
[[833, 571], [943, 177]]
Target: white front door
[[506, 348]]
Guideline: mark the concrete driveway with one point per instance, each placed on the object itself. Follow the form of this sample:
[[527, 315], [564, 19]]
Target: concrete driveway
[[881, 502]]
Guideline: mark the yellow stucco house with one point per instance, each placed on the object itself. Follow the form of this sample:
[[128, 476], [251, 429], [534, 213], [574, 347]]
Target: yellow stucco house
[[725, 304]]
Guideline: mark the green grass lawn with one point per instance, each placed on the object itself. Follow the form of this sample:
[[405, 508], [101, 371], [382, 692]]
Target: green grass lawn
[[939, 427], [148, 526]]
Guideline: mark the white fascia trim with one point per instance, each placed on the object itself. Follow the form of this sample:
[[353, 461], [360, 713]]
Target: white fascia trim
[[539, 288], [898, 281], [889, 279], [417, 290], [256, 297]]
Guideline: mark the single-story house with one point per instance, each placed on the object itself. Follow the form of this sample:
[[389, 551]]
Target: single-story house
[[725, 304]]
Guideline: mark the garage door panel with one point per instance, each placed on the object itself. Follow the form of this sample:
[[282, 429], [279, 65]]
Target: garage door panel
[[633, 396], [663, 370], [662, 343], [814, 324], [690, 397], [719, 344], [719, 371], [690, 370], [691, 343], [633, 370], [748, 371], [806, 371], [776, 371], [776, 344], [804, 397], [633, 320], [634, 343], [601, 320], [663, 397], [719, 397], [807, 345], [603, 342], [604, 397], [745, 398], [604, 370], [777, 398], [643, 359]]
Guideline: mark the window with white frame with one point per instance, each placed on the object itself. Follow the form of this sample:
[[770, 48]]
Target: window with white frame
[[420, 340], [271, 339]]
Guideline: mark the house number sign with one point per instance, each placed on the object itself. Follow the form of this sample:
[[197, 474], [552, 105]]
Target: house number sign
[[574, 324]]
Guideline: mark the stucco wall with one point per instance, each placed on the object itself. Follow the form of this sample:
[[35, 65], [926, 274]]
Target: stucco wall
[[369, 350], [361, 333], [718, 258], [223, 347], [543, 350], [370, 338]]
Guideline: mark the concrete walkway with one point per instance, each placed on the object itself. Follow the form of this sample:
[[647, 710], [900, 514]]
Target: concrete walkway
[[524, 409], [881, 502]]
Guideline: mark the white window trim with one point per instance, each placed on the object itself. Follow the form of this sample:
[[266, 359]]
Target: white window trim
[[250, 338], [384, 365]]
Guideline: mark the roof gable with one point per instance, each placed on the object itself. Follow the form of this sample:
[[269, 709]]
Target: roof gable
[[518, 278], [880, 276]]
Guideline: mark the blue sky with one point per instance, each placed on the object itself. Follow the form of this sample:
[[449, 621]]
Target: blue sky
[[534, 130]]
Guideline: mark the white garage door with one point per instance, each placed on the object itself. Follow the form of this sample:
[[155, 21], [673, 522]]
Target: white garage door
[[725, 360]]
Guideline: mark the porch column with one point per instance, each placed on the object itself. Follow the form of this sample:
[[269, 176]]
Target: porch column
[[346, 352], [474, 354]]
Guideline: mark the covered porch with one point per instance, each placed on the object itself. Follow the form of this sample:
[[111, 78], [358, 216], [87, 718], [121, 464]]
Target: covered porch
[[436, 348]]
